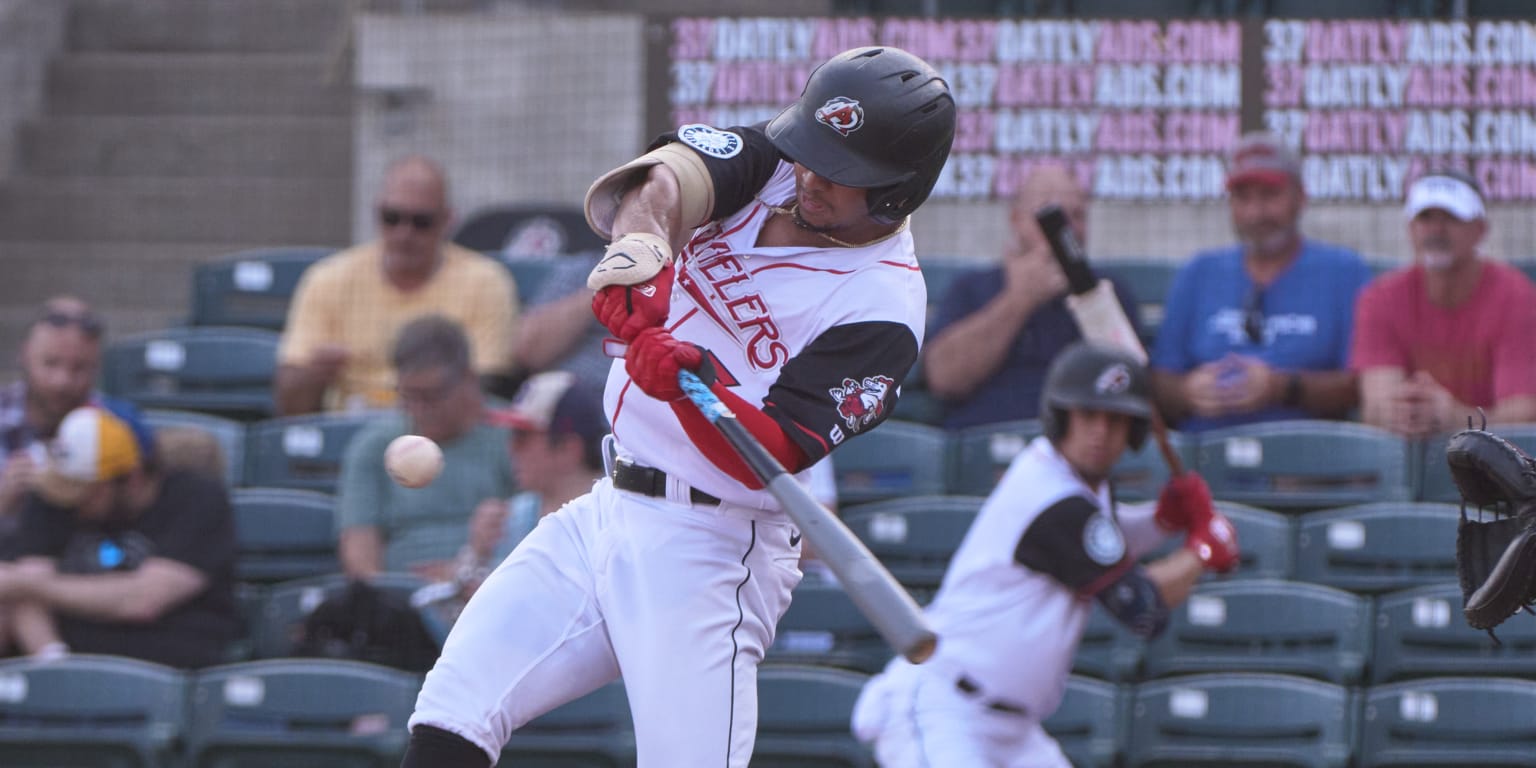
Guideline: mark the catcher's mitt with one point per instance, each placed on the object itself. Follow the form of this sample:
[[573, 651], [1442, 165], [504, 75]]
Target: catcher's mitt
[[1495, 559]]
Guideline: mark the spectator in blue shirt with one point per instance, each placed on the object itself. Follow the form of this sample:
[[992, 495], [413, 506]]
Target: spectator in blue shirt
[[1260, 331]]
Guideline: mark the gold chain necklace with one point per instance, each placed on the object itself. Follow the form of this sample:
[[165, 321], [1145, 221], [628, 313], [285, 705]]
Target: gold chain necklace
[[793, 212]]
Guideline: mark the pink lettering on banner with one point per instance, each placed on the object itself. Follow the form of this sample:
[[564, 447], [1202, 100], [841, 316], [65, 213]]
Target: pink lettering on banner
[[1355, 41], [1191, 42], [1504, 87], [1506, 178], [1012, 170], [1447, 86], [1045, 85], [833, 36], [1354, 131], [1200, 131], [973, 130], [942, 39], [1128, 131], [1130, 41], [692, 38], [759, 82], [1286, 84]]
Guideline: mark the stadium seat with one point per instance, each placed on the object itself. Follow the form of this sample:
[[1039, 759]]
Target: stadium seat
[[1449, 721], [1377, 547], [87, 711], [1267, 539], [286, 606], [1421, 632], [823, 627], [1140, 475], [302, 452], [1088, 724], [300, 713], [919, 406], [284, 534], [982, 453], [1147, 279], [219, 370], [896, 459], [229, 433], [1304, 464], [1233, 720], [1265, 625], [536, 230], [803, 716], [939, 273], [914, 537], [1434, 477], [529, 273], [250, 288], [594, 731], [1107, 650]]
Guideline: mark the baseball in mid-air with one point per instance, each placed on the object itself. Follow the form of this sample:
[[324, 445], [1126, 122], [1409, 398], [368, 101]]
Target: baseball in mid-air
[[413, 461]]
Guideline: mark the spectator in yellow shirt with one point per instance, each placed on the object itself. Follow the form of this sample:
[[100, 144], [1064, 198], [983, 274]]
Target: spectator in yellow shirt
[[349, 306]]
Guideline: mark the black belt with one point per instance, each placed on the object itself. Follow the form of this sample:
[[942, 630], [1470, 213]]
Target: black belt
[[651, 482], [970, 688]]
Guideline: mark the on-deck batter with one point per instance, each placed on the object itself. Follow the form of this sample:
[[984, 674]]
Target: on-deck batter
[[1014, 601], [797, 293]]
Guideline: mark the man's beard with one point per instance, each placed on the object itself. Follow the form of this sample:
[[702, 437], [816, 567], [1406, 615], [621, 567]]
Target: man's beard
[[806, 225], [52, 407], [1268, 241]]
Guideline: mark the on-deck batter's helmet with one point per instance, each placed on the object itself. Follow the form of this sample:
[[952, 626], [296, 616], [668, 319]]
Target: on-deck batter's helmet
[[877, 118], [1096, 378]]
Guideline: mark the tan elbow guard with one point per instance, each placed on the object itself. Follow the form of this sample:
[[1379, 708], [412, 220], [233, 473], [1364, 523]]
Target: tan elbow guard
[[694, 187], [630, 260]]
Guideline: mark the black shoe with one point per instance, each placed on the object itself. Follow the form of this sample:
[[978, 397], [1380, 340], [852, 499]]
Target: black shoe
[[1489, 469]]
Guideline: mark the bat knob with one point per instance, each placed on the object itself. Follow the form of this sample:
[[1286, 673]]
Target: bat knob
[[923, 649]]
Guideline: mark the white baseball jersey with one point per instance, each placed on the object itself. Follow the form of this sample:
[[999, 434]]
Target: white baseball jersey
[[683, 598]]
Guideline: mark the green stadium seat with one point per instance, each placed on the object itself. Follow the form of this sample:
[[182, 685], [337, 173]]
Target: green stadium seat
[[1267, 540], [914, 537], [284, 534], [229, 433], [529, 273], [1140, 475], [1434, 477], [1088, 723], [302, 452], [288, 604], [1147, 278], [1240, 721], [1265, 625], [220, 370], [536, 229], [940, 273], [1377, 547], [1107, 650], [300, 713], [896, 459], [250, 288], [87, 711], [919, 406], [823, 627], [982, 453], [1304, 464], [1449, 721], [594, 731], [803, 716], [1421, 632]]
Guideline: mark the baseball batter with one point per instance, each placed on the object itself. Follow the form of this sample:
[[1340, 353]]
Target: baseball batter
[[1049, 539], [796, 294]]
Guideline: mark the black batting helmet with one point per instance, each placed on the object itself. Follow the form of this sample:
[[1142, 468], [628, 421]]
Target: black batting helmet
[[1096, 378], [877, 118]]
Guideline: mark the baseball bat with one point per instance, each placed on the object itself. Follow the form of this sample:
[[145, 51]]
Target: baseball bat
[[1097, 311], [873, 590]]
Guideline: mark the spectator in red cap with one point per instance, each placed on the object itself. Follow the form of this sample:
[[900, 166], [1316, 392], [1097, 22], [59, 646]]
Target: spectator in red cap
[[1260, 330], [1450, 334]]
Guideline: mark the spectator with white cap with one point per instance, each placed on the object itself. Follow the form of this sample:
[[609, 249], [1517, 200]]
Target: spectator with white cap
[[1450, 334]]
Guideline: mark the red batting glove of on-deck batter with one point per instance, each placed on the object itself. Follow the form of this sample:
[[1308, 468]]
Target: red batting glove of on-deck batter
[[1184, 504], [1215, 543], [654, 358], [628, 309]]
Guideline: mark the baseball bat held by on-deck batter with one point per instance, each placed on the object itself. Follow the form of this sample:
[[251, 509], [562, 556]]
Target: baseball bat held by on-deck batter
[[876, 593], [1096, 309]]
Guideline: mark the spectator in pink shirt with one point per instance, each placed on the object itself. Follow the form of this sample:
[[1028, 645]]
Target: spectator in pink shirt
[[1451, 334]]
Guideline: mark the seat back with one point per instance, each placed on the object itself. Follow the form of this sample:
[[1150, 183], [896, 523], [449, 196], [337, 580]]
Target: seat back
[[594, 731], [1147, 279], [301, 452], [220, 370], [250, 288], [916, 537], [823, 627], [1377, 547], [1240, 720], [284, 534], [1139, 475], [1265, 625], [229, 433], [802, 718], [1304, 464], [1420, 632], [1107, 650], [534, 229], [896, 459], [300, 713], [1088, 723], [981, 454], [287, 605], [1267, 539], [1450, 721], [87, 711]]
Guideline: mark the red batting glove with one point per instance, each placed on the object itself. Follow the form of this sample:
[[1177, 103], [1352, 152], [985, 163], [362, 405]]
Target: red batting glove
[[654, 359], [628, 309], [1184, 504], [1215, 543]]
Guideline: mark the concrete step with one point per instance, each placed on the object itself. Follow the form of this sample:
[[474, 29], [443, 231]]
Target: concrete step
[[176, 210], [195, 84], [268, 26], [187, 146]]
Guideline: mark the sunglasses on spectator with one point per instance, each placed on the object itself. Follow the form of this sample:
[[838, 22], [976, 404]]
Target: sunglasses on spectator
[[420, 221], [89, 324], [1253, 315]]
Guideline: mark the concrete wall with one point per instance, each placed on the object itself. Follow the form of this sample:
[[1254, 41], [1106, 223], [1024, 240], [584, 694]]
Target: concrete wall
[[31, 31]]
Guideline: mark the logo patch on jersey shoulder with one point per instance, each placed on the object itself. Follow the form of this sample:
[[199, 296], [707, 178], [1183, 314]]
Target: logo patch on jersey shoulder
[[1103, 541], [841, 114], [862, 402], [1114, 380], [711, 141]]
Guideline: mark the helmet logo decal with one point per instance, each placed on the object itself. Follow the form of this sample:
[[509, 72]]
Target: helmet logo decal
[[861, 403], [1114, 380], [710, 141], [841, 114]]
